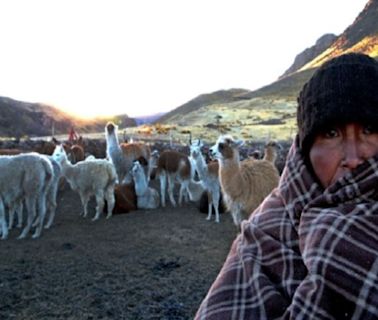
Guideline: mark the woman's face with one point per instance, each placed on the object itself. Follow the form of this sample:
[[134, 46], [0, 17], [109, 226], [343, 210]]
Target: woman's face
[[338, 150]]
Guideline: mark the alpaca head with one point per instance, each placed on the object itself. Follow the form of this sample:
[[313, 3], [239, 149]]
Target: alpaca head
[[273, 144], [59, 154], [195, 148], [110, 128], [226, 148], [136, 168]]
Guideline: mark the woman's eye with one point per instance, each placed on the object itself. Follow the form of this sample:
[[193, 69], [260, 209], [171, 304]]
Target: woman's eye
[[331, 133], [368, 129]]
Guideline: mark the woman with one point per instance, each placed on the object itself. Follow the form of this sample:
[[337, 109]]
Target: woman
[[310, 251]]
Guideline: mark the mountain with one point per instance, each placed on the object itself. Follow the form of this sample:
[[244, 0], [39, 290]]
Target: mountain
[[245, 106], [18, 119]]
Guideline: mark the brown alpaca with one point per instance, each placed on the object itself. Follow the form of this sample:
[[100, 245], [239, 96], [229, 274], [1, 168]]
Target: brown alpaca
[[125, 198]]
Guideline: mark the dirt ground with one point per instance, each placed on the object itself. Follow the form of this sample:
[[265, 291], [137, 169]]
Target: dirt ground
[[154, 264]]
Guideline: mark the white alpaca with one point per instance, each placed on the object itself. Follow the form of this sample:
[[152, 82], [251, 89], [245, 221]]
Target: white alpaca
[[147, 197], [25, 178], [209, 175], [175, 166], [244, 184], [95, 177], [51, 195], [122, 155]]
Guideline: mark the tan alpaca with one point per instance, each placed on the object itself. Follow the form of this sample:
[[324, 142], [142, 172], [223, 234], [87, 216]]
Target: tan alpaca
[[246, 183]]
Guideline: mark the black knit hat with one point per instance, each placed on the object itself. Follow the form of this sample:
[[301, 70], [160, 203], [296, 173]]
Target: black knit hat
[[342, 90]]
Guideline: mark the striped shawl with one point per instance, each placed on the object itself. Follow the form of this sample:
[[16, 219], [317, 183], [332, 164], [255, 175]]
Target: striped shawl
[[305, 253]]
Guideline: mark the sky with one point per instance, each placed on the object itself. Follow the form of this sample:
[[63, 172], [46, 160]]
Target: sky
[[140, 57]]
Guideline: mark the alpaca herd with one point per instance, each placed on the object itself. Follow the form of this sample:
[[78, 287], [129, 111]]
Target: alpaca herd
[[122, 181]]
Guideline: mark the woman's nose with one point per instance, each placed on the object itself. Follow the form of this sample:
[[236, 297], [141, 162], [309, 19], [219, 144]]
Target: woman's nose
[[352, 154]]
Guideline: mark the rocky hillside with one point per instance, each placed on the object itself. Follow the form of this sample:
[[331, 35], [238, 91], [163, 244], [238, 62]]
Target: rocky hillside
[[360, 36], [18, 119], [311, 53]]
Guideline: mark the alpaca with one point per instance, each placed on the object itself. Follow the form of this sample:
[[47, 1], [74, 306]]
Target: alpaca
[[122, 155], [26, 178], [94, 177], [173, 165], [244, 184], [147, 197], [125, 198], [77, 153], [51, 202], [209, 175]]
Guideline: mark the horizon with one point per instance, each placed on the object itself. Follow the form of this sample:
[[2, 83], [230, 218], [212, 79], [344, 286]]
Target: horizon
[[94, 59]]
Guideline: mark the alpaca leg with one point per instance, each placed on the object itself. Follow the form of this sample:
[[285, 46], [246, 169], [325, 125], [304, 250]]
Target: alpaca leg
[[84, 201], [184, 192], [15, 208], [52, 206], [209, 206], [20, 211], [236, 216], [11, 217], [52, 209], [110, 200], [100, 204], [3, 221], [181, 193], [163, 186], [31, 210], [156, 198], [215, 202], [171, 185], [41, 213], [210, 211]]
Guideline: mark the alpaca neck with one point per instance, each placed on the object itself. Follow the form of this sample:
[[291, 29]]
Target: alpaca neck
[[270, 155], [201, 167], [230, 163], [140, 183], [112, 144], [229, 171], [68, 169]]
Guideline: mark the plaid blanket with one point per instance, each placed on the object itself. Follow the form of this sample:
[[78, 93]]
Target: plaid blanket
[[305, 253]]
